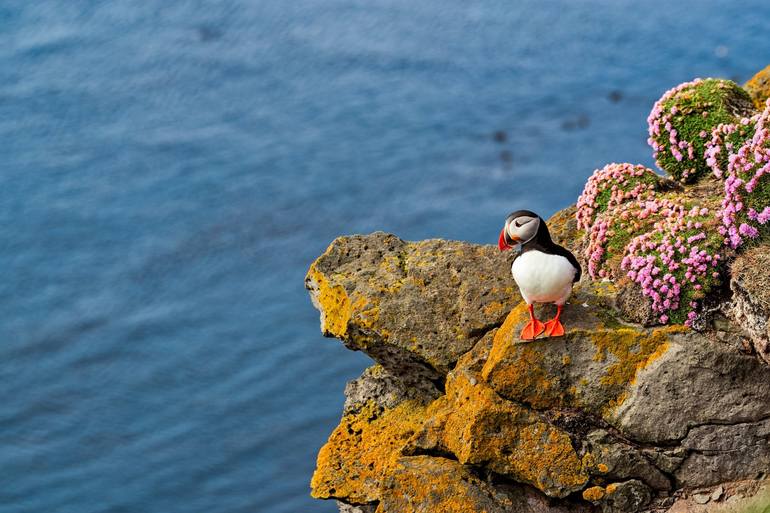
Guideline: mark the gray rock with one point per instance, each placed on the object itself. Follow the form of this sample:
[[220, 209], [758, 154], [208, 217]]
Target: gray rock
[[624, 461], [386, 389], [414, 307], [635, 306], [701, 498], [695, 382], [666, 459], [349, 508], [627, 497], [719, 453]]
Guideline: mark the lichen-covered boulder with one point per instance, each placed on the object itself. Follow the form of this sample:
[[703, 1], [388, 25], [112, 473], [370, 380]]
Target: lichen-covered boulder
[[613, 417], [363, 450], [758, 87], [479, 427], [387, 390], [682, 120], [627, 497], [632, 378], [410, 305], [422, 484]]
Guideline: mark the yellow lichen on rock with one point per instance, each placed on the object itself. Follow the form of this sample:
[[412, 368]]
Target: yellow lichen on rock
[[554, 372], [378, 293], [422, 484], [630, 349], [593, 494], [758, 87], [333, 303], [479, 427], [362, 451], [524, 376]]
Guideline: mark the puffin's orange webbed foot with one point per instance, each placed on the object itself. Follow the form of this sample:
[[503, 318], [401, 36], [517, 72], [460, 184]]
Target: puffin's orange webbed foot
[[554, 327], [533, 328]]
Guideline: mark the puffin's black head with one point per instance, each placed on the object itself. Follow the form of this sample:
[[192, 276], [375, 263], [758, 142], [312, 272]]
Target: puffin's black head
[[521, 227]]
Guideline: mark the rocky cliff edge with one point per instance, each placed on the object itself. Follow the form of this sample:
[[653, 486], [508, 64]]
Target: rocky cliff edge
[[459, 415]]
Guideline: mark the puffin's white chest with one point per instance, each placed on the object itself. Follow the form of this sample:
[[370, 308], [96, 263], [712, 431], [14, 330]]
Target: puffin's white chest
[[543, 278]]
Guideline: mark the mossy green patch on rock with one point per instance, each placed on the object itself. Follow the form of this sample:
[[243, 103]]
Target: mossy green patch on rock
[[681, 122]]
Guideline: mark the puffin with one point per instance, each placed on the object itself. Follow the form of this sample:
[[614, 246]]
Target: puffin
[[543, 270]]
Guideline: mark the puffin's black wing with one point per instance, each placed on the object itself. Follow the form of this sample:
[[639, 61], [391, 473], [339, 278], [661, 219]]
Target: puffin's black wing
[[558, 250]]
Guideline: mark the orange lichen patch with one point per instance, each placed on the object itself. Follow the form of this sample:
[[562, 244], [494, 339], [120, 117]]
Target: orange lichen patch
[[553, 373], [758, 87], [422, 484], [602, 468], [333, 302], [593, 494], [365, 312], [362, 450], [479, 427], [611, 488], [518, 368], [632, 350], [493, 308], [505, 335]]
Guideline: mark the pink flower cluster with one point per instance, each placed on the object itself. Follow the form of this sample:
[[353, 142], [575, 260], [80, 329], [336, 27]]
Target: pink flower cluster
[[744, 213], [597, 237], [624, 182], [674, 260], [661, 130], [722, 142]]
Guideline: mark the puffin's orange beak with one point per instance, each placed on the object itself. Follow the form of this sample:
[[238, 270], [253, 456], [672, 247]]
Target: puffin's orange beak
[[502, 242]]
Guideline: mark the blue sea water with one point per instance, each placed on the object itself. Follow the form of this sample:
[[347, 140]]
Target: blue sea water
[[170, 168]]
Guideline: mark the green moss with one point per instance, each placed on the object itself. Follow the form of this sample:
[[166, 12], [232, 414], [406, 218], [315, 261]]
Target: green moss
[[607, 319], [604, 195], [693, 112], [728, 143]]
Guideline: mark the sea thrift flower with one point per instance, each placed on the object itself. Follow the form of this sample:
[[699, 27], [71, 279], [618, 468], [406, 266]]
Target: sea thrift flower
[[746, 204], [725, 137], [677, 246], [694, 108], [613, 185], [665, 244]]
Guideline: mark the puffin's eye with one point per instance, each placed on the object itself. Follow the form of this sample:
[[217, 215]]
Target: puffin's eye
[[519, 224]]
